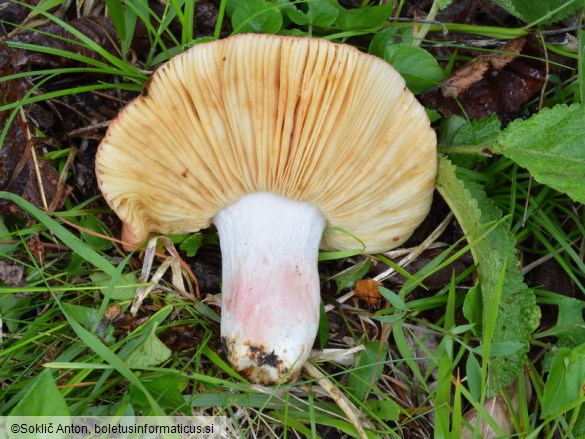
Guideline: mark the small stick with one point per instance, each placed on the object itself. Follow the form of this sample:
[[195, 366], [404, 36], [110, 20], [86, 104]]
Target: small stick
[[416, 251], [340, 399]]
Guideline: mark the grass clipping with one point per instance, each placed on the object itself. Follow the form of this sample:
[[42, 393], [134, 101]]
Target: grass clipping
[[500, 281]]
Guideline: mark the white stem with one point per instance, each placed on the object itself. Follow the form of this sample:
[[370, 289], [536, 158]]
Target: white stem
[[270, 301]]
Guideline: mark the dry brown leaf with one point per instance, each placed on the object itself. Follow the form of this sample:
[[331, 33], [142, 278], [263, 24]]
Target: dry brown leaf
[[499, 82]]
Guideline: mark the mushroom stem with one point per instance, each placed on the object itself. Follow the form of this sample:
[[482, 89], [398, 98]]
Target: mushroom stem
[[270, 302]]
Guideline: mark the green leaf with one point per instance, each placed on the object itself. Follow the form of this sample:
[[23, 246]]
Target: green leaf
[[394, 299], [473, 374], [5, 249], [91, 222], [581, 66], [323, 331], [207, 312], [347, 278], [389, 318], [89, 318], [473, 309], [371, 17], [116, 13], [124, 20], [459, 131], [335, 421], [165, 387], [551, 145], [368, 369], [570, 323], [564, 388], [443, 3], [111, 358], [462, 328], [255, 16], [63, 234], [320, 13], [12, 308], [493, 249], [500, 349], [387, 409], [543, 11], [151, 352], [125, 286], [43, 398], [389, 36], [579, 429], [432, 114], [419, 68], [191, 245]]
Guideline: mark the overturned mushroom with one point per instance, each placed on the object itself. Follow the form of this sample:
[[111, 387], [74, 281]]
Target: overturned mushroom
[[286, 144]]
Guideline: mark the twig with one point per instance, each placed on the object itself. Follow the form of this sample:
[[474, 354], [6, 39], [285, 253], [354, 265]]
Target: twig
[[416, 251], [142, 292], [35, 160], [346, 406], [419, 37], [63, 179]]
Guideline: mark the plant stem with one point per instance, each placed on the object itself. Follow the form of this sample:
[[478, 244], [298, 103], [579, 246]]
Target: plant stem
[[427, 26], [466, 149]]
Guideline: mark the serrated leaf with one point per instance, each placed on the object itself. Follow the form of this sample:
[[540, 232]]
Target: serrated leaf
[[418, 67], [543, 11], [493, 249], [459, 131], [551, 145]]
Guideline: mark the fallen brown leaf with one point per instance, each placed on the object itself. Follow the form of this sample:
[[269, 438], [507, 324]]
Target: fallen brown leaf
[[11, 274], [499, 82], [23, 171]]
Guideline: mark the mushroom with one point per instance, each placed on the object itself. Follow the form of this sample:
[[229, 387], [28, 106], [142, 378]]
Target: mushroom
[[286, 145]]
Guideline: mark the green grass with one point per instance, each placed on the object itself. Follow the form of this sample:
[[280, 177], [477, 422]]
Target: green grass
[[426, 364]]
